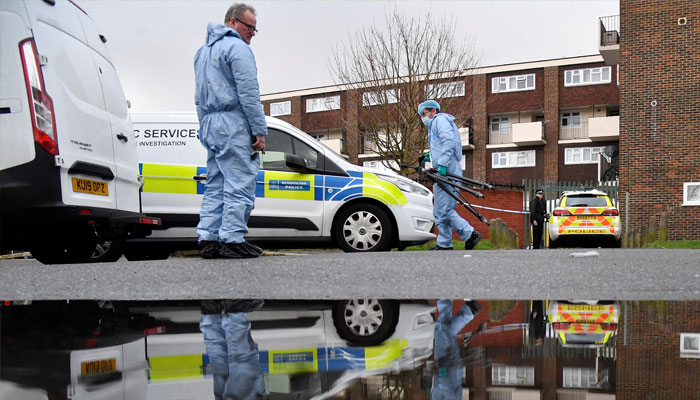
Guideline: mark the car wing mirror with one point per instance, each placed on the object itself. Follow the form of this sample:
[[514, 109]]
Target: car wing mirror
[[297, 164]]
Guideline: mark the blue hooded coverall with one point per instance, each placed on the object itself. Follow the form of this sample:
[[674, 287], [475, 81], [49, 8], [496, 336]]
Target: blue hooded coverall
[[447, 375], [227, 96], [230, 114], [446, 150]]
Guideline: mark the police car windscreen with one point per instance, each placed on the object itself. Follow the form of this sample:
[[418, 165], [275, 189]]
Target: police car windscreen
[[586, 201]]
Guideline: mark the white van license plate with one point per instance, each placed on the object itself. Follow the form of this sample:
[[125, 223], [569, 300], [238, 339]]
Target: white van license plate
[[90, 186]]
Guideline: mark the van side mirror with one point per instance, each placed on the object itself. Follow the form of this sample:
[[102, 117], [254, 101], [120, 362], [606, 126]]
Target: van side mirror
[[297, 164]]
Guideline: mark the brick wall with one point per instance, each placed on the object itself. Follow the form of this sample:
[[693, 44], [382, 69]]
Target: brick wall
[[480, 124], [324, 119], [660, 146], [578, 96], [526, 100], [578, 172], [506, 176], [551, 129], [649, 366]]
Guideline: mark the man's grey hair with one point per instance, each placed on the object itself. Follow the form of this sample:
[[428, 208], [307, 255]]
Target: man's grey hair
[[237, 10]]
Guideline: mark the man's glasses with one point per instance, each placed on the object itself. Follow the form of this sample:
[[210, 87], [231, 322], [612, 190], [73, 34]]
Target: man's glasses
[[251, 28]]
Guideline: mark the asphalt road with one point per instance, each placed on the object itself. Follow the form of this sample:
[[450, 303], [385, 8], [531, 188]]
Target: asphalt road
[[623, 274]]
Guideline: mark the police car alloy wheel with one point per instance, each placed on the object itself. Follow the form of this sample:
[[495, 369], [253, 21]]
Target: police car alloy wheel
[[363, 227], [365, 322]]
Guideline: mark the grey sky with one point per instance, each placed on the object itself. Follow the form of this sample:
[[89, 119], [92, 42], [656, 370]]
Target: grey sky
[[153, 42]]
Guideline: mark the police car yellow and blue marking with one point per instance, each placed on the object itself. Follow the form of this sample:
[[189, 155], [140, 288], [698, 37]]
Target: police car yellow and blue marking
[[285, 361], [169, 178]]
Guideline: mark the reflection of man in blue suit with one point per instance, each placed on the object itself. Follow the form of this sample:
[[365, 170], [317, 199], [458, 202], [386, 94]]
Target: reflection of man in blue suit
[[447, 374]]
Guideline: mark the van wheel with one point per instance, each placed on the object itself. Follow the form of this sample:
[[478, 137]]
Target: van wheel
[[72, 245], [363, 227], [144, 254], [366, 322], [108, 250]]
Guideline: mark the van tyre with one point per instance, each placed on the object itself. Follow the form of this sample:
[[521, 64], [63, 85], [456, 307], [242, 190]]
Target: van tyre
[[366, 322], [363, 227], [108, 250], [73, 245]]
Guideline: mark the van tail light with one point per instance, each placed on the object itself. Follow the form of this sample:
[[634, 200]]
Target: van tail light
[[560, 325], [561, 213], [611, 213], [41, 105]]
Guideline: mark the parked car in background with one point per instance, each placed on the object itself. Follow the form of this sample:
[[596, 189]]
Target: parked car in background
[[584, 323], [585, 217]]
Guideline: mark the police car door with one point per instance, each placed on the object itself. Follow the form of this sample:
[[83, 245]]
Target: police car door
[[287, 203]]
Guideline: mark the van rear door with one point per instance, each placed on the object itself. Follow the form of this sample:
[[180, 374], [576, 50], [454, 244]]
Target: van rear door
[[83, 130], [127, 182]]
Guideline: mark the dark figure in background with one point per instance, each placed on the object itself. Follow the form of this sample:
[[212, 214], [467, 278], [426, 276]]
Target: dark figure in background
[[537, 323], [538, 209]]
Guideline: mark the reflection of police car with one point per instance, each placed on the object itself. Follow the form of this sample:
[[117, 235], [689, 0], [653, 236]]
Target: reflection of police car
[[583, 323], [584, 214], [305, 192]]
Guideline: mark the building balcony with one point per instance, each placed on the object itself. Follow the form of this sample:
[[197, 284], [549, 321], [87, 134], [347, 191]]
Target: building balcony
[[609, 34], [528, 133], [501, 136], [337, 145], [573, 132], [464, 134], [604, 128]]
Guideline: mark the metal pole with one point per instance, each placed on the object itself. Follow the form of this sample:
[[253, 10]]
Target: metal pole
[[627, 212]]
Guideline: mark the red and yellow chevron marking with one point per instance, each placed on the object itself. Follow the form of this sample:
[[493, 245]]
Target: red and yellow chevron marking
[[594, 224], [582, 314]]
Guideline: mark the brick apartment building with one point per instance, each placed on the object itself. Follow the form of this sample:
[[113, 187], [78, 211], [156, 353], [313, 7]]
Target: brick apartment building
[[656, 45], [544, 120], [538, 120]]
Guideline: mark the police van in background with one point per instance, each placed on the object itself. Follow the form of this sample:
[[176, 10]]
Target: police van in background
[[69, 176], [306, 193]]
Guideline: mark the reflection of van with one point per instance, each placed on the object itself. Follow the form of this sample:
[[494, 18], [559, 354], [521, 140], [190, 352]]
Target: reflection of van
[[584, 324], [305, 192], [68, 166]]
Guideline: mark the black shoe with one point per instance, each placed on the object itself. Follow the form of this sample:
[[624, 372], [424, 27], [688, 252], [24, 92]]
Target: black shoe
[[237, 250], [209, 249], [253, 248], [440, 248], [474, 239], [474, 306]]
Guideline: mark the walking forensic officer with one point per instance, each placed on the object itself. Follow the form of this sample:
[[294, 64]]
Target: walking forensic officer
[[538, 209], [232, 129], [445, 145]]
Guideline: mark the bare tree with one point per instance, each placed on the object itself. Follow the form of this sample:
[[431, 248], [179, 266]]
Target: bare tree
[[389, 70]]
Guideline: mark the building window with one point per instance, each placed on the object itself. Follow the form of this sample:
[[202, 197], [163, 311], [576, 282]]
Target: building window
[[499, 131], [587, 76], [513, 159], [381, 97], [580, 378], [513, 83], [583, 155], [281, 108], [691, 194], [444, 90], [571, 119], [512, 375], [323, 104]]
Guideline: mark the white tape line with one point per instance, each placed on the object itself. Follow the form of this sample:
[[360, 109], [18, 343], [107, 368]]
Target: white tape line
[[502, 210]]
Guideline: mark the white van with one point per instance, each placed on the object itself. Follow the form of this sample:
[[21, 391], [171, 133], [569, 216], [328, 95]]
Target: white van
[[306, 192], [68, 167]]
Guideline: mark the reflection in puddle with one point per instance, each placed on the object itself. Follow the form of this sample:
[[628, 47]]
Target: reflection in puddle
[[359, 350]]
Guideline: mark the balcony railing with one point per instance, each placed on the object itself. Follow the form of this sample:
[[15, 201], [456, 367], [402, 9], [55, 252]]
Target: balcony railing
[[501, 136], [610, 30], [571, 132]]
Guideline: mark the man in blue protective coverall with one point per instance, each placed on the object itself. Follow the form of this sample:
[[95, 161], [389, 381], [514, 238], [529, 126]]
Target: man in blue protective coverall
[[445, 145], [447, 373], [232, 128]]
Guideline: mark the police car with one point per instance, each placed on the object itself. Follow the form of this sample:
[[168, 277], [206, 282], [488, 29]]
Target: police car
[[581, 215], [305, 192], [587, 324]]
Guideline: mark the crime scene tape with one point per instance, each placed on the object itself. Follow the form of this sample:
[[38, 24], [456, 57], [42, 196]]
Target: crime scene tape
[[501, 210]]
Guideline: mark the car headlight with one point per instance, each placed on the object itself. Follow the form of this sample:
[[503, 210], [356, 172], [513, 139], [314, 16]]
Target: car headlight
[[404, 184]]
